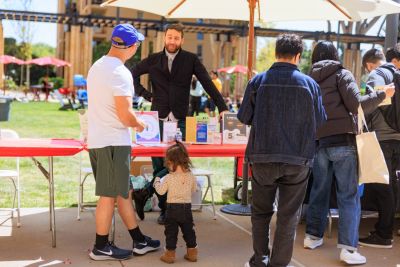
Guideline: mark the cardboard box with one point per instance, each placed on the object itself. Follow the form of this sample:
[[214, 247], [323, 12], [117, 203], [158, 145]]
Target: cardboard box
[[137, 163]]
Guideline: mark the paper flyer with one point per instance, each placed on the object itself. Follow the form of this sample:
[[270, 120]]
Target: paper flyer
[[151, 134], [201, 135], [169, 131], [386, 101]]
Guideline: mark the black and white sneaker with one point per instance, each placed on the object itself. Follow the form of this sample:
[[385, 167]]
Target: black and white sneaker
[[147, 245], [375, 241], [110, 252], [251, 261]]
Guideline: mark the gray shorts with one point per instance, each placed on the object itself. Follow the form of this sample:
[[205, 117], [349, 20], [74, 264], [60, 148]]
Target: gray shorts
[[111, 167]]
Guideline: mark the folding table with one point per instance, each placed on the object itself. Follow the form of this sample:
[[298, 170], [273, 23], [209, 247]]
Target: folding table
[[42, 148]]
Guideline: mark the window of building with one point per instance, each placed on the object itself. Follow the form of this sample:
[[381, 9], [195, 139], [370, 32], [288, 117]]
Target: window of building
[[200, 52], [200, 35], [140, 14]]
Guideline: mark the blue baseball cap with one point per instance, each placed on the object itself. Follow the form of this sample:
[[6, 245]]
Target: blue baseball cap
[[125, 35]]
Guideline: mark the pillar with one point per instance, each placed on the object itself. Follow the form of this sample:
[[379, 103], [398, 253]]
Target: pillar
[[144, 53], [87, 52], [159, 43], [216, 62], [241, 60], [67, 57], [227, 50], [352, 60], [392, 29]]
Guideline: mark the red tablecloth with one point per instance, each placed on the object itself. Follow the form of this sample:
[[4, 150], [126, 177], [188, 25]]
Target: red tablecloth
[[39, 147], [193, 150]]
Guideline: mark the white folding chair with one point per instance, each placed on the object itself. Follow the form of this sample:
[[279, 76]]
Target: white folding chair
[[84, 172], [147, 172], [12, 175], [208, 174]]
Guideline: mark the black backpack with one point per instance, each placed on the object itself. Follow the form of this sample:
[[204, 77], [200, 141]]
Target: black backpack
[[391, 113]]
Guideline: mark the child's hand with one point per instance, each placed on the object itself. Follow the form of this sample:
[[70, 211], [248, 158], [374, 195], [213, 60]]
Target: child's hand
[[157, 180]]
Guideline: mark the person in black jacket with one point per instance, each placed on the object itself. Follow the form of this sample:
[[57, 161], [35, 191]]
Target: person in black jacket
[[170, 72], [382, 195], [336, 153]]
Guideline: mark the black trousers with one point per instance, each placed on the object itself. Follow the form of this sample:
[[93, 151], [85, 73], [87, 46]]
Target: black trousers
[[385, 196], [179, 216], [195, 104], [291, 180]]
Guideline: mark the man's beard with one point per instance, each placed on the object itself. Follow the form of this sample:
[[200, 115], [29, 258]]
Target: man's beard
[[175, 49]]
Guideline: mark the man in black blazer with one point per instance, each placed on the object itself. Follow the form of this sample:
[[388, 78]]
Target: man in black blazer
[[170, 72]]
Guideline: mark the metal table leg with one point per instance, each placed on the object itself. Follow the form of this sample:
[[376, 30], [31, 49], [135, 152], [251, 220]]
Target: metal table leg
[[243, 208], [50, 178], [52, 209]]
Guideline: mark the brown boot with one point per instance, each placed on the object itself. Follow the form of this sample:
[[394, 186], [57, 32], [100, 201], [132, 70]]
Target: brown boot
[[168, 256], [191, 254]]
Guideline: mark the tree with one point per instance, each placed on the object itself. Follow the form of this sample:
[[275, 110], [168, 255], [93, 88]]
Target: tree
[[24, 31], [266, 57], [100, 49], [43, 50], [10, 46], [305, 61]]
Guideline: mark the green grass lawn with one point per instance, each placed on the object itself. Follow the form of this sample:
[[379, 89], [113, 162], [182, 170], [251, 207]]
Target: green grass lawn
[[44, 120]]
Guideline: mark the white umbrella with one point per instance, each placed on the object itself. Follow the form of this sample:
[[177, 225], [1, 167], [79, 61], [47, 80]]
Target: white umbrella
[[265, 10], [270, 10]]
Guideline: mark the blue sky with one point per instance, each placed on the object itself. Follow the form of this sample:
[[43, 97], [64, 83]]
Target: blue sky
[[47, 32], [42, 32]]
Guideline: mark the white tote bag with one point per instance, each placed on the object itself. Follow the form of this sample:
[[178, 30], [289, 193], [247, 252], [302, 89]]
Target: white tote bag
[[372, 167]]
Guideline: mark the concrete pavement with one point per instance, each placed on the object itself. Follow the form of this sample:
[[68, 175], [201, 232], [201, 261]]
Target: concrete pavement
[[222, 242]]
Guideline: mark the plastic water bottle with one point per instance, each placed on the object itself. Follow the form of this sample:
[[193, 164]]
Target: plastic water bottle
[[178, 136]]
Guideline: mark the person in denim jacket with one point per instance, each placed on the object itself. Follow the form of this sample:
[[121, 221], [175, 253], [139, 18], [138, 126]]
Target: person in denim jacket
[[337, 153], [284, 108]]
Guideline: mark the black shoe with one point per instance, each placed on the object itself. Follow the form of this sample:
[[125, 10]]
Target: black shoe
[[140, 197], [375, 241], [251, 262], [161, 218], [110, 252], [141, 248]]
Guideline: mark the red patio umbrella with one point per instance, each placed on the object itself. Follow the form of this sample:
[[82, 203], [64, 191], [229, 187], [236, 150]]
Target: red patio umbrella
[[235, 69], [6, 59], [42, 61], [46, 61]]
